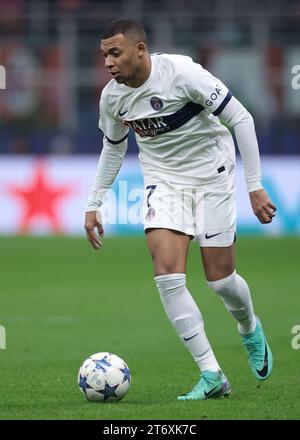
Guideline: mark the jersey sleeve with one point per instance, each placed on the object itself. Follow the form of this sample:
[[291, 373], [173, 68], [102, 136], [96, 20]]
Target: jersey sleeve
[[240, 120], [112, 128], [205, 89]]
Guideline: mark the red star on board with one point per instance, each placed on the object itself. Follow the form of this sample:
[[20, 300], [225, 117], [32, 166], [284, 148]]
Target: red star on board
[[39, 199]]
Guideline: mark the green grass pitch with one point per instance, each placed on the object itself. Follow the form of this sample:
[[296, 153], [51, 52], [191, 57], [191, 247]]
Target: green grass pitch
[[61, 301]]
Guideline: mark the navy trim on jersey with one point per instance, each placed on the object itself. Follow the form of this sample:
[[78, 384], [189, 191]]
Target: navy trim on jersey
[[157, 125], [183, 115], [117, 142], [223, 104]]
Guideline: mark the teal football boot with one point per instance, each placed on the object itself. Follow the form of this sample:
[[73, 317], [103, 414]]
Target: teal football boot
[[212, 385], [259, 353]]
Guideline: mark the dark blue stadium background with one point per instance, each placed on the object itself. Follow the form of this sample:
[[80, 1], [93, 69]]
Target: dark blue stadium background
[[62, 66]]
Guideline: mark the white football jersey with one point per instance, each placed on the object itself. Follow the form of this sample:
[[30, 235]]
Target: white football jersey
[[174, 115]]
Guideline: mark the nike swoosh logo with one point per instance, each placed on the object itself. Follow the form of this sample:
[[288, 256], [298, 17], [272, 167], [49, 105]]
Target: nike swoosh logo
[[210, 392], [211, 236], [263, 372], [123, 113], [188, 339]]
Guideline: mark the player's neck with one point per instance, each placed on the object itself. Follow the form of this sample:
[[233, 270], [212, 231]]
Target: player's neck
[[142, 75]]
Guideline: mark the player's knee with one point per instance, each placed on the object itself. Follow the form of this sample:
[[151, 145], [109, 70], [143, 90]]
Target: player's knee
[[224, 285], [219, 271], [165, 267]]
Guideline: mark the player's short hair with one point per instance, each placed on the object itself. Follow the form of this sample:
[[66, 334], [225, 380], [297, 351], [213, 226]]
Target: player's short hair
[[129, 28]]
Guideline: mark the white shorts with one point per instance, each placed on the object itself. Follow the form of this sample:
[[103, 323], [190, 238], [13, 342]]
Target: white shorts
[[207, 213]]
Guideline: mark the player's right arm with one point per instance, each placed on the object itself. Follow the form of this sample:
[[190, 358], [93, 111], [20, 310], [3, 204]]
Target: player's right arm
[[114, 148]]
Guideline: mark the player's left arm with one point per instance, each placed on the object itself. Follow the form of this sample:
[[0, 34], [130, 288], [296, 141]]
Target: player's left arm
[[240, 120], [203, 88]]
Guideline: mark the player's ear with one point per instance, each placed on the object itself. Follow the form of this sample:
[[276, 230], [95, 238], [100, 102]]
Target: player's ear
[[141, 47]]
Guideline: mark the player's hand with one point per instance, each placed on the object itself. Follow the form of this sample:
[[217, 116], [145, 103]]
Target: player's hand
[[262, 206], [93, 220]]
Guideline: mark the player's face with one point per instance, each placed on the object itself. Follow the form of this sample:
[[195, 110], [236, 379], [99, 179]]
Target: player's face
[[124, 59]]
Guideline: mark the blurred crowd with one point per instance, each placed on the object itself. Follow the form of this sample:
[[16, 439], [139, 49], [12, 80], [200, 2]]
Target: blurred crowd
[[55, 72]]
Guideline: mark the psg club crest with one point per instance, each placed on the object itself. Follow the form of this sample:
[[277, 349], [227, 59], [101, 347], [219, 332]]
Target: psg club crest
[[156, 103], [150, 214]]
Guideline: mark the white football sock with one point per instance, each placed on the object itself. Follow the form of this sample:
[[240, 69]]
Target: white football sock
[[235, 294], [186, 318]]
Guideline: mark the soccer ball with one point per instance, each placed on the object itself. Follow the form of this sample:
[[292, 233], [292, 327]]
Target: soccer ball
[[104, 377]]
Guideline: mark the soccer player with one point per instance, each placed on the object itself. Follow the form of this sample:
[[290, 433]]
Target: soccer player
[[175, 108]]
